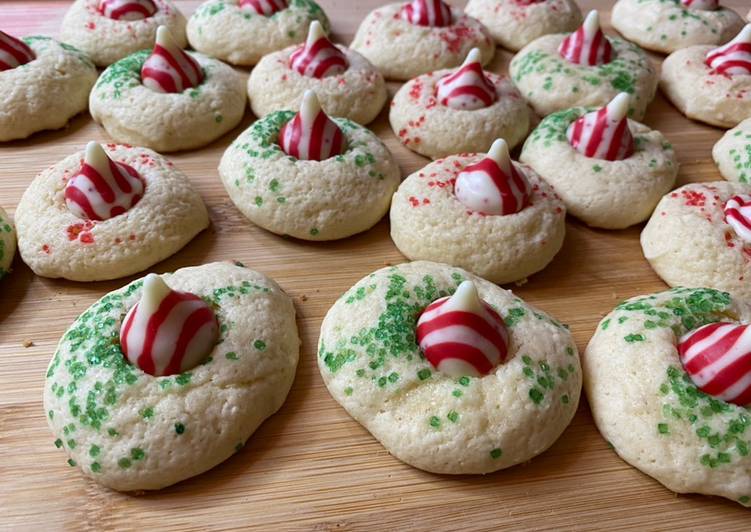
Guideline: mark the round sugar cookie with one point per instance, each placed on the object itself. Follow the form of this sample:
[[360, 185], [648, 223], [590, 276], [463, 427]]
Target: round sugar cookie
[[704, 93], [732, 153], [135, 114], [56, 242], [667, 26], [107, 40], [402, 50], [429, 222], [611, 194], [129, 430], [45, 92], [693, 239], [516, 23], [431, 128], [239, 35], [357, 94], [373, 367], [646, 404], [327, 199], [551, 83], [7, 243]]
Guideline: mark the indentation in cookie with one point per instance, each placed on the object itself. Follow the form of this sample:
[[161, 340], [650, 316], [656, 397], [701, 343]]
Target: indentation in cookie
[[311, 135], [717, 358], [102, 188], [127, 10], [604, 134], [13, 52], [494, 185], [468, 88], [264, 7], [588, 45], [318, 57], [701, 5], [167, 332], [434, 13], [461, 335], [733, 58], [169, 68]]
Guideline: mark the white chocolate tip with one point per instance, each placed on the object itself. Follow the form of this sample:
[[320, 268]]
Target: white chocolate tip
[[154, 291], [592, 22], [465, 298], [315, 32], [310, 106], [95, 156], [164, 38], [499, 153], [744, 35], [474, 56], [618, 107]]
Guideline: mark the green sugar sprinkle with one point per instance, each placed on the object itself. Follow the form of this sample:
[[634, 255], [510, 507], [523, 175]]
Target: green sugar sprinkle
[[348, 390], [58, 443], [71, 462], [260, 345], [124, 463], [231, 356], [453, 416], [179, 428], [96, 467], [424, 374], [94, 450], [662, 428], [147, 413], [434, 422], [496, 453]]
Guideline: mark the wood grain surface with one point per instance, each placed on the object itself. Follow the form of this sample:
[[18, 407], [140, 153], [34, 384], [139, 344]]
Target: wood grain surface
[[311, 466]]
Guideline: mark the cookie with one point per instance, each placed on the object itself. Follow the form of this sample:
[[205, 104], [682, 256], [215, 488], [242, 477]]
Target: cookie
[[106, 213], [667, 26], [405, 40], [242, 32], [132, 429], [697, 237], [109, 30], [487, 214], [516, 23], [309, 176], [732, 153], [7, 243], [460, 110], [584, 68], [499, 396], [657, 403], [610, 171], [712, 85], [43, 84], [201, 99], [346, 83]]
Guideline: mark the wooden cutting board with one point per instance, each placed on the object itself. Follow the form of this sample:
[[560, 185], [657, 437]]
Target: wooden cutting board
[[310, 466]]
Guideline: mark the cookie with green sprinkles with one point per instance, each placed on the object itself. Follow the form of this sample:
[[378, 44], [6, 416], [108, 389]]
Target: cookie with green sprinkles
[[129, 430], [496, 410], [236, 32], [7, 243], [732, 153], [46, 89], [552, 81], [109, 35], [667, 379], [338, 180], [669, 25], [134, 113]]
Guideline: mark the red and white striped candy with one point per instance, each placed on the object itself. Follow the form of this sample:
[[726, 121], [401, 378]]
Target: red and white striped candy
[[435, 13], [102, 188], [127, 9], [588, 45], [462, 335], [494, 185], [264, 7], [468, 88], [738, 215], [604, 134], [169, 68], [13, 52], [717, 357], [318, 57], [734, 57], [311, 135], [702, 5], [167, 331]]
